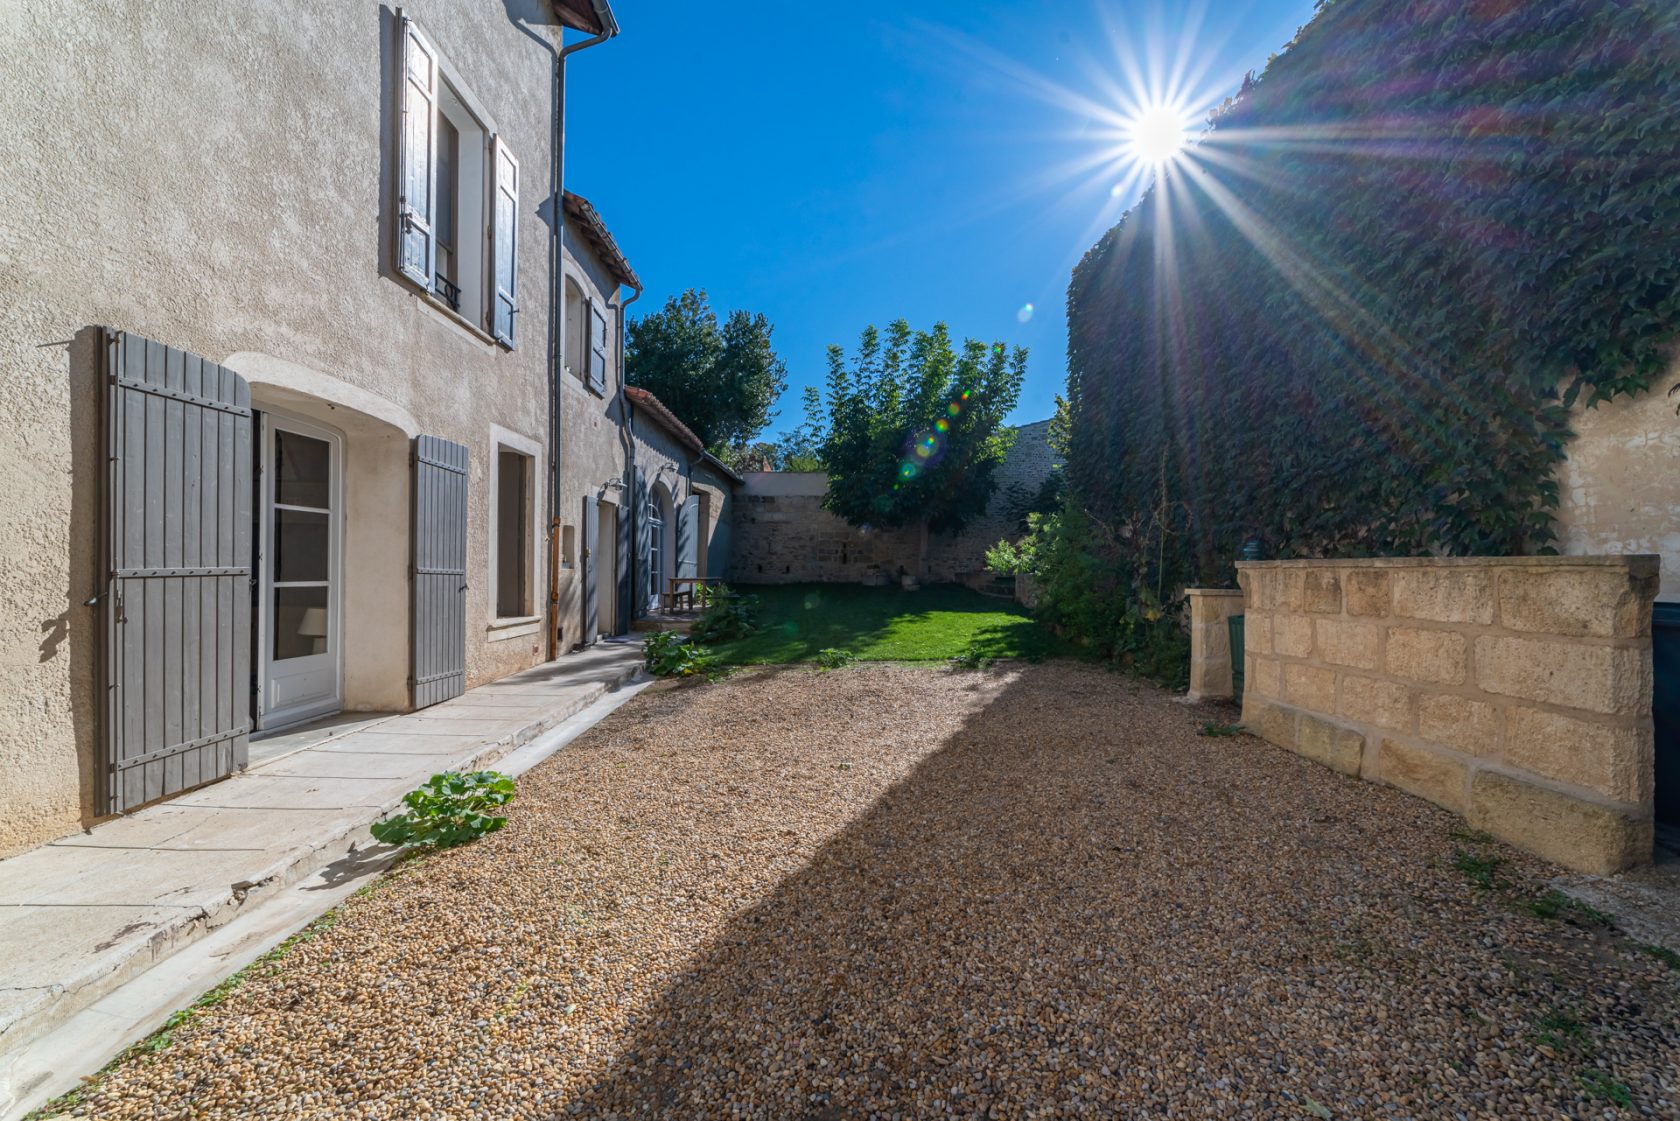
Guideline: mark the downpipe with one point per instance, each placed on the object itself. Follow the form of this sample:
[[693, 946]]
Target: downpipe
[[557, 314]]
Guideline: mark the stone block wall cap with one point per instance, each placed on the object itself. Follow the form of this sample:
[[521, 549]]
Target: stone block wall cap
[[1213, 591], [1638, 563]]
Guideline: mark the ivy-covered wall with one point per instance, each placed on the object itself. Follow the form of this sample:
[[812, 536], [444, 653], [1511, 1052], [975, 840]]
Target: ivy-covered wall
[[1353, 321]]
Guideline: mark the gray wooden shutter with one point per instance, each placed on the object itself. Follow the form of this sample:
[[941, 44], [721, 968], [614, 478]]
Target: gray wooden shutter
[[504, 241], [625, 524], [644, 594], [591, 578], [176, 611], [688, 537], [417, 157], [440, 570], [597, 346]]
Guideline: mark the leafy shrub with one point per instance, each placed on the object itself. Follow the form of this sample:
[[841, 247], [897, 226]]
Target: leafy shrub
[[726, 616], [832, 658], [1106, 592], [1012, 558], [449, 809], [669, 654]]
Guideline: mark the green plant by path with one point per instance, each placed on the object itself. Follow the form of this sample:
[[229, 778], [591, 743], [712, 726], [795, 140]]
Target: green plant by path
[[1599, 1085], [799, 621], [830, 658], [449, 809], [726, 616], [670, 654]]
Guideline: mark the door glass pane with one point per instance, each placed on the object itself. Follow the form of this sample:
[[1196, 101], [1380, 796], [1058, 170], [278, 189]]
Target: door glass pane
[[300, 622], [302, 545], [303, 470]]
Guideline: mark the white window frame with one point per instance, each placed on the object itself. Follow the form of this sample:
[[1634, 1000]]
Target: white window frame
[[453, 97], [575, 352], [512, 626], [269, 715]]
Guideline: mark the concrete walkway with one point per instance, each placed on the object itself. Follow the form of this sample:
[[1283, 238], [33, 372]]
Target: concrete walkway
[[82, 915]]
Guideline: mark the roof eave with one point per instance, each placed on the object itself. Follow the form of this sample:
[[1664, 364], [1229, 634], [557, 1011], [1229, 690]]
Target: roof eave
[[592, 17]]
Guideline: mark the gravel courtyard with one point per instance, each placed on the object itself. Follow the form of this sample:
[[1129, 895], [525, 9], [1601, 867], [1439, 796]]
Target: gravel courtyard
[[909, 892]]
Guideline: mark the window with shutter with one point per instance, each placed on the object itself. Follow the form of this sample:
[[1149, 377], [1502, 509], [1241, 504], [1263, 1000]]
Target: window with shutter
[[417, 157], [597, 346], [504, 242]]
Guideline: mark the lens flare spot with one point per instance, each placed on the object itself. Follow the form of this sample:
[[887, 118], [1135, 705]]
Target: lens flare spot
[[1025, 314], [954, 409], [942, 424]]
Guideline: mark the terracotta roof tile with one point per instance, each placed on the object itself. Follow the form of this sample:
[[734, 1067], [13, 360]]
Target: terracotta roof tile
[[584, 217]]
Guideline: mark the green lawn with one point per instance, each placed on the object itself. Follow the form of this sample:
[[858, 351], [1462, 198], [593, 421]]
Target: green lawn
[[886, 625]]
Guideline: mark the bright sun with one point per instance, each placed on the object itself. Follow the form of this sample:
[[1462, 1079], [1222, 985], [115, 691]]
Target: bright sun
[[1156, 136]]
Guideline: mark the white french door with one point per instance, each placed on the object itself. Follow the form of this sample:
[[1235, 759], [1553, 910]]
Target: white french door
[[300, 543], [656, 556]]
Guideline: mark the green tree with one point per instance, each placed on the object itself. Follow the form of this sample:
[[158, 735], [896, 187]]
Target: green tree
[[801, 449], [915, 428], [720, 381]]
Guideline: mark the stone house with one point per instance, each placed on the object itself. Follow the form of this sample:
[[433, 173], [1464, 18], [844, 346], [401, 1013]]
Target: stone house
[[684, 497], [282, 335]]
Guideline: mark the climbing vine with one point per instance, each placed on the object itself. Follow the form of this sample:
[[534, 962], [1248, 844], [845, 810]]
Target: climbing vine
[[1355, 319]]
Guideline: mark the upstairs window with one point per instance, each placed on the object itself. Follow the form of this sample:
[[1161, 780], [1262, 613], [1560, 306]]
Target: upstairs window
[[458, 195], [577, 309]]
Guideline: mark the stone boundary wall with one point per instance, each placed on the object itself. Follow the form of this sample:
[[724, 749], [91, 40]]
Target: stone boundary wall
[[1515, 691], [782, 534]]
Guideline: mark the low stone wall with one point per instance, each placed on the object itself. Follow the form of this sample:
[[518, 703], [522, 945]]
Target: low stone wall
[[1515, 691], [1210, 641]]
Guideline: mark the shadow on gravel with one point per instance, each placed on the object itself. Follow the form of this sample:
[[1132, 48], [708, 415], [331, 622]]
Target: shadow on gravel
[[1078, 903]]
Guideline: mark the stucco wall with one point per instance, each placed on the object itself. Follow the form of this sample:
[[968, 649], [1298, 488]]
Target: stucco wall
[[1515, 691], [716, 543], [661, 462], [782, 534], [1619, 489], [593, 450], [218, 176]]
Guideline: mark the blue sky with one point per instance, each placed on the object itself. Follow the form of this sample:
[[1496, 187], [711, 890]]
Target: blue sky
[[834, 165]]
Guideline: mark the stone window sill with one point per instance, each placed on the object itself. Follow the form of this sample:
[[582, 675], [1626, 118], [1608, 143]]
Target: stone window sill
[[515, 627]]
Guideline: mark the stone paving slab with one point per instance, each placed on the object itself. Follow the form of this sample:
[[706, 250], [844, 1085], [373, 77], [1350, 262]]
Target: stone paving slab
[[80, 916]]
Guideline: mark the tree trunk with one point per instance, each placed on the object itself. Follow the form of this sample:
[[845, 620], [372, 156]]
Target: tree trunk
[[922, 557]]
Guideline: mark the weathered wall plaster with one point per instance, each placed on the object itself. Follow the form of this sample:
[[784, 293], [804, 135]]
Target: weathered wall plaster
[[231, 194], [1619, 488]]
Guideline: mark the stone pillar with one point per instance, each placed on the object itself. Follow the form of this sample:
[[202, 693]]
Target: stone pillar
[[1210, 641]]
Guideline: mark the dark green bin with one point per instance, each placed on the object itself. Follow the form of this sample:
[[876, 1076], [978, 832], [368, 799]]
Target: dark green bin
[[1236, 624]]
